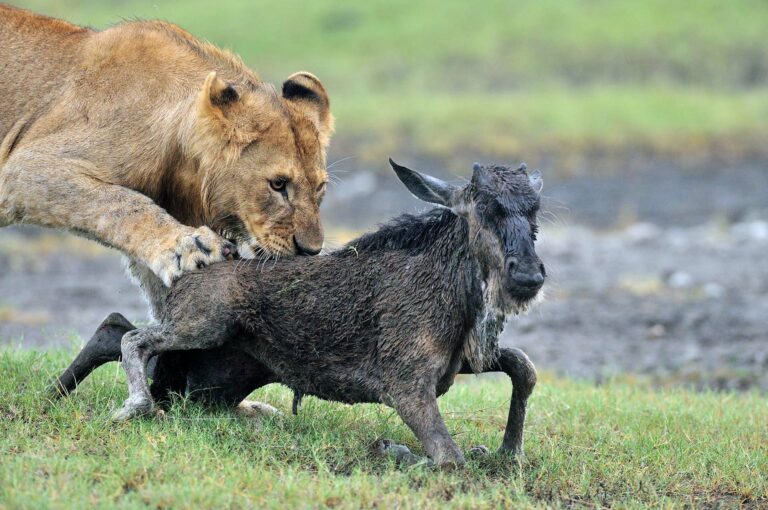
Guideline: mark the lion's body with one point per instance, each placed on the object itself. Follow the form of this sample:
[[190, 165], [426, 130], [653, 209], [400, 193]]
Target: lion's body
[[108, 94], [128, 137]]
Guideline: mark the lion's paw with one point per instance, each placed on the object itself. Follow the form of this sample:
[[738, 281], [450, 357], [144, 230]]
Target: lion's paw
[[198, 248]]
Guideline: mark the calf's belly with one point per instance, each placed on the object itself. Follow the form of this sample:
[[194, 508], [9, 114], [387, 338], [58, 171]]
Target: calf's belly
[[336, 377], [224, 375]]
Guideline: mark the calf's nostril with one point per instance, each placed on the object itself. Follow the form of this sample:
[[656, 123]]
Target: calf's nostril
[[528, 280]]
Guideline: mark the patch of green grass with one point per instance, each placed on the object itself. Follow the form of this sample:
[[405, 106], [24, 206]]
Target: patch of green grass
[[617, 445], [665, 120], [500, 78], [449, 45]]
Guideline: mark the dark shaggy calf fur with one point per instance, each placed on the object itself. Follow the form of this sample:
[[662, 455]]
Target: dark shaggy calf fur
[[391, 318]]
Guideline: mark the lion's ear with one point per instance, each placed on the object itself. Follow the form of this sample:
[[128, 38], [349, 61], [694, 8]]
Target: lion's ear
[[215, 126], [220, 94], [306, 92], [216, 98]]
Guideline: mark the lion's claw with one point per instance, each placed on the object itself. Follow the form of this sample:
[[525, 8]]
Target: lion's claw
[[195, 249]]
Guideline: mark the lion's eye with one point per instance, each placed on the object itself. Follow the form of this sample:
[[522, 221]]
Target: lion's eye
[[278, 184], [321, 188]]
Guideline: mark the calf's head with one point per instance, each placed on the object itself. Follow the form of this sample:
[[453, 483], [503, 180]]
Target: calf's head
[[500, 206]]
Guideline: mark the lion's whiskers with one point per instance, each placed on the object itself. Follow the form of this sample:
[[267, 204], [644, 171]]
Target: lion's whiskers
[[334, 179], [338, 161]]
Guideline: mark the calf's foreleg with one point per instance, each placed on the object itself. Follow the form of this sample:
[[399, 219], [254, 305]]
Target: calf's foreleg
[[420, 412], [520, 369]]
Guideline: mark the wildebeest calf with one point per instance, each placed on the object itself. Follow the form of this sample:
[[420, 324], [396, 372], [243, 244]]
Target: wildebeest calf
[[392, 317]]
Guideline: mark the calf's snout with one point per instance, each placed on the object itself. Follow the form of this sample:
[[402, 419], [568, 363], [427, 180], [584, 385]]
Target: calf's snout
[[532, 280], [529, 275]]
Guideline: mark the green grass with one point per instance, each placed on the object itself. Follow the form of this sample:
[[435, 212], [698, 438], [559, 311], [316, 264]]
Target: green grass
[[420, 46], [664, 120], [500, 78], [620, 445]]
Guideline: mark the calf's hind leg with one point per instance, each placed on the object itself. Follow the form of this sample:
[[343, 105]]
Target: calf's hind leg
[[103, 347], [520, 369], [141, 344]]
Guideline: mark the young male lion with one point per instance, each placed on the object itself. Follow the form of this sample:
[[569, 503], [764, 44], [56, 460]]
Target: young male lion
[[152, 142]]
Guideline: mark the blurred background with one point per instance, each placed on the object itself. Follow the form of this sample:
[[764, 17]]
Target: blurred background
[[649, 121]]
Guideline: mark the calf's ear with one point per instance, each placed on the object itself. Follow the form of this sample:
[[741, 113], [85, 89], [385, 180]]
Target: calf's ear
[[428, 188]]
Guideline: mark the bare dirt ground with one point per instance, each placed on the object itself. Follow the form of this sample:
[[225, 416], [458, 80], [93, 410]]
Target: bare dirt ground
[[679, 304], [660, 271]]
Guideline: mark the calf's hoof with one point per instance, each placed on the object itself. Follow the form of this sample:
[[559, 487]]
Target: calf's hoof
[[511, 450], [400, 453], [447, 456], [515, 452], [58, 390], [134, 409], [478, 451], [254, 409], [449, 464]]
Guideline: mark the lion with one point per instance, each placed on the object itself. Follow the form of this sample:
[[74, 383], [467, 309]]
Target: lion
[[166, 148]]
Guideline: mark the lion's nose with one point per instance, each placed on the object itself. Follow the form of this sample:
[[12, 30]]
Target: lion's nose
[[302, 249]]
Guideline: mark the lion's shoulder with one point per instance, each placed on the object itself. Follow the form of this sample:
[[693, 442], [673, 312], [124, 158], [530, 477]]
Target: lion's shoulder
[[22, 18], [131, 36]]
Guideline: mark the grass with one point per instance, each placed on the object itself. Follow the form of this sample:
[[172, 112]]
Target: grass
[[419, 46], [620, 445], [665, 121], [501, 78]]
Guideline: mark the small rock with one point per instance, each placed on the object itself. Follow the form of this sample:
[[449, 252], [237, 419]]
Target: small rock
[[679, 280], [713, 290], [642, 233], [657, 331]]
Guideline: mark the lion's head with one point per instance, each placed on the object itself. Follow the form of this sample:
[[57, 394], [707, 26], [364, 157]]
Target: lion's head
[[262, 159]]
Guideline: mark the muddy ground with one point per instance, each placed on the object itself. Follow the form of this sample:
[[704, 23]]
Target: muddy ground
[[658, 271]]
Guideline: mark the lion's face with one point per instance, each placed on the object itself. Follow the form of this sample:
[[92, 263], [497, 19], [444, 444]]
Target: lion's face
[[266, 196], [278, 195]]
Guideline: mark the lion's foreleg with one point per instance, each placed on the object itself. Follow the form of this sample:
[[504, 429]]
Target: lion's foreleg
[[152, 288], [55, 192]]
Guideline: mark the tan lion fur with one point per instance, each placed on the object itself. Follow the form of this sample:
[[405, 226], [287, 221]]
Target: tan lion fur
[[142, 137]]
